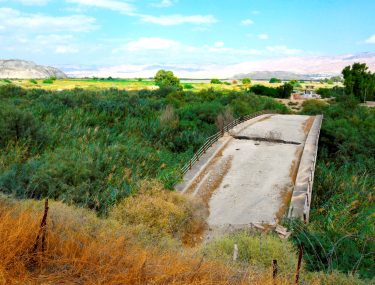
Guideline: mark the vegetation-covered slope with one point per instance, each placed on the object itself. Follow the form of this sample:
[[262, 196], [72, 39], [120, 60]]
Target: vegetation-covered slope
[[91, 148], [341, 230]]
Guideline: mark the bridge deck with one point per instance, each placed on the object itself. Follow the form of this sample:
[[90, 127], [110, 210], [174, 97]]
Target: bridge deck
[[251, 179]]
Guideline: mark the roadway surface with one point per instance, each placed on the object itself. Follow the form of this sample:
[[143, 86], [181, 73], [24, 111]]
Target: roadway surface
[[250, 180]]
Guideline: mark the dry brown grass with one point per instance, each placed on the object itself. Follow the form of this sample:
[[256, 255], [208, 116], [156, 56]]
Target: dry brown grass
[[83, 249]]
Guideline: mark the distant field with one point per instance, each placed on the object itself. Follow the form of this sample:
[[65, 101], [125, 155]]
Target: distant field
[[133, 84]]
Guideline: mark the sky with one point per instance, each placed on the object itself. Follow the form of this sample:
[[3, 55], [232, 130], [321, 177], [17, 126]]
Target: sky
[[199, 38]]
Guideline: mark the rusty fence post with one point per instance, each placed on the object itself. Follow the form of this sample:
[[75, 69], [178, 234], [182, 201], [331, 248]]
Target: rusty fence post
[[274, 270], [300, 256]]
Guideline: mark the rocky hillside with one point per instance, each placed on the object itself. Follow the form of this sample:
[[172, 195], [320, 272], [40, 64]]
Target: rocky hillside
[[21, 69]]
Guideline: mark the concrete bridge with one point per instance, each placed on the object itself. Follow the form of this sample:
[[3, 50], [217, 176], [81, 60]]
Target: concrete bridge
[[257, 172]]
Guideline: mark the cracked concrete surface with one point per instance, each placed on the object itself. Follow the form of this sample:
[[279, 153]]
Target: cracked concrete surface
[[250, 189]]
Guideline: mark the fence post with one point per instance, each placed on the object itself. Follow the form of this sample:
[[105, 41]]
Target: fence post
[[274, 271], [235, 252], [300, 255], [190, 164]]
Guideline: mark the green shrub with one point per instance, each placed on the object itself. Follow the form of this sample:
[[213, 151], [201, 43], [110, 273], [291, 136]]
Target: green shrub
[[246, 80], [275, 80], [17, 125], [264, 90], [33, 81], [215, 81], [339, 235], [48, 81], [188, 86], [11, 90], [254, 249]]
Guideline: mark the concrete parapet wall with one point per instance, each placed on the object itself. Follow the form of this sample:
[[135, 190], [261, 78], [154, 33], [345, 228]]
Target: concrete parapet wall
[[301, 198]]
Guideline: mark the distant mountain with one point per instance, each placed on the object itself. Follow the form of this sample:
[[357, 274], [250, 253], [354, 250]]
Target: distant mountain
[[21, 69], [283, 75]]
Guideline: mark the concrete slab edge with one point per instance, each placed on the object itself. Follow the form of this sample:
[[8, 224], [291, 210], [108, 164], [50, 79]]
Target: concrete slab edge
[[301, 197]]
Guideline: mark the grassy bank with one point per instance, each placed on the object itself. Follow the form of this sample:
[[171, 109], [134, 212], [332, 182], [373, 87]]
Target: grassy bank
[[341, 233], [92, 148]]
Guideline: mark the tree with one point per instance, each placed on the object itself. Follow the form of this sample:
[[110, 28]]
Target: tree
[[275, 80], [215, 81], [284, 91], [358, 81], [246, 81], [165, 78]]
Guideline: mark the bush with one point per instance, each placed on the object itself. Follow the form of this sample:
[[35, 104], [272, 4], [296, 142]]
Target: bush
[[224, 118], [11, 90], [48, 81], [255, 250], [164, 78], [264, 90], [275, 80], [314, 107], [159, 213], [17, 125], [284, 91], [33, 81], [215, 81], [188, 86], [246, 81]]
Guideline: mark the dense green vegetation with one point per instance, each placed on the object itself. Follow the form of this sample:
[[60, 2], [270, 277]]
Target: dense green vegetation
[[215, 81], [246, 80], [330, 92], [283, 91], [341, 230], [359, 82], [165, 78], [91, 148], [275, 80]]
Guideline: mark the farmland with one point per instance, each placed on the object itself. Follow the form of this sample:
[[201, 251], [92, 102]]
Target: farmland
[[135, 84]]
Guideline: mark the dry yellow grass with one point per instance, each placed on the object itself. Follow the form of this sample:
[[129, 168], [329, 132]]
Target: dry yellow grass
[[83, 249]]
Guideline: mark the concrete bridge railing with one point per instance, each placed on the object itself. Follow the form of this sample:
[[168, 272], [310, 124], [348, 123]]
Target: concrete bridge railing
[[214, 138], [301, 198]]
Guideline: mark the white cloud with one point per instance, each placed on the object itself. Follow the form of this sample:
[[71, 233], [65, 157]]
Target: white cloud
[[33, 2], [301, 64], [247, 22], [219, 44], [172, 20], [113, 5], [66, 49], [263, 36], [152, 43], [164, 20], [282, 50], [370, 40], [163, 4], [14, 19]]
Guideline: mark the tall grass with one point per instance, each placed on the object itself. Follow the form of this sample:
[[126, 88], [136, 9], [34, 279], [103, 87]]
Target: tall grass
[[91, 148], [341, 230], [83, 249]]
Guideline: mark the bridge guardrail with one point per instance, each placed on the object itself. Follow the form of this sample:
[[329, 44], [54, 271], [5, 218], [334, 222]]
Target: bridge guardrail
[[214, 138], [302, 191]]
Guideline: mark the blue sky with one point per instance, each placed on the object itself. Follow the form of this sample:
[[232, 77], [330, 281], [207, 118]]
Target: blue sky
[[184, 33]]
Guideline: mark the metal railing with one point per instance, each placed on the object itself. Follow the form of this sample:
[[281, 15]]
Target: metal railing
[[214, 138]]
